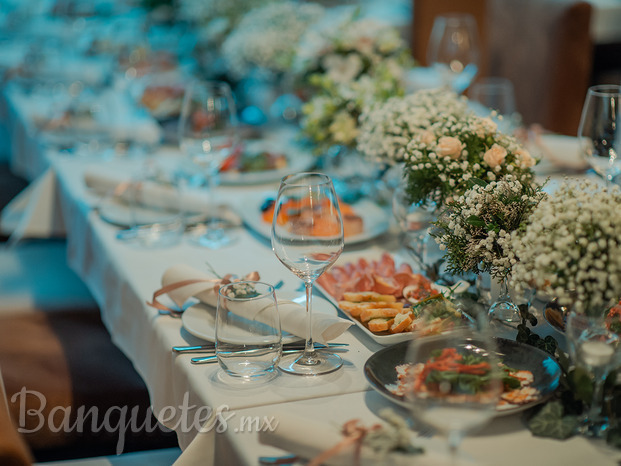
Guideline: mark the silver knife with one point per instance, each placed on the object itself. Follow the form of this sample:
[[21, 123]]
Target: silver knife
[[212, 359], [210, 348]]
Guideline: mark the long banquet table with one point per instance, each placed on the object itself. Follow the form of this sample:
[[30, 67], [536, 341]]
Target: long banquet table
[[122, 276]]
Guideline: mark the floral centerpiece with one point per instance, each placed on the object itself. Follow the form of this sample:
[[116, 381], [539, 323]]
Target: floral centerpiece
[[215, 19], [571, 247], [441, 160], [267, 37], [387, 127], [349, 65], [475, 231]]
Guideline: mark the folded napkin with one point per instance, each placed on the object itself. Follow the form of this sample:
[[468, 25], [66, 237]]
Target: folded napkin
[[333, 444], [115, 183], [197, 284]]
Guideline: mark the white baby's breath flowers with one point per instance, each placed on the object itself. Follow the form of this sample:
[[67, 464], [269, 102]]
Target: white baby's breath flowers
[[387, 127], [214, 19], [267, 37], [571, 247], [475, 230]]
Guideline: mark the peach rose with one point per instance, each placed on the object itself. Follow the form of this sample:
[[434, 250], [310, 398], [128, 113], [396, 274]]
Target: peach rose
[[426, 137], [450, 146], [524, 159], [495, 156]]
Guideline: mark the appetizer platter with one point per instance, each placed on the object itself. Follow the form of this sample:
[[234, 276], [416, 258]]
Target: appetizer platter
[[530, 375], [362, 221], [385, 298]]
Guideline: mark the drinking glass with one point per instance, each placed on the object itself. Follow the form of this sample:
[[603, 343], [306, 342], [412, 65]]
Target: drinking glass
[[208, 135], [599, 131], [453, 50], [454, 381], [497, 94], [154, 206], [248, 334], [307, 237], [595, 348], [415, 221]]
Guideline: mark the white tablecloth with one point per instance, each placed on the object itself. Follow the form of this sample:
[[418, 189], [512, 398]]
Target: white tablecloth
[[122, 276]]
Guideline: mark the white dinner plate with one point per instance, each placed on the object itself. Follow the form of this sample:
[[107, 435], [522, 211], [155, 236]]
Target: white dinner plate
[[374, 218], [200, 319], [298, 160], [117, 212]]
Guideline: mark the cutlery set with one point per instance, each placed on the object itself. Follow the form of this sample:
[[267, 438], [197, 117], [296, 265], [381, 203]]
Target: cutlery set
[[288, 348]]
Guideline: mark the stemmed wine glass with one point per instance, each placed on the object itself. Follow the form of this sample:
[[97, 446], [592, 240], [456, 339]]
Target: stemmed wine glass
[[208, 135], [453, 381], [307, 237], [453, 49], [595, 347], [600, 130]]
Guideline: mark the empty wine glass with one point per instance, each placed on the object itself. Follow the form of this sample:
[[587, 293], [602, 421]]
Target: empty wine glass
[[599, 131], [454, 380], [497, 94], [307, 237], [208, 135], [453, 50]]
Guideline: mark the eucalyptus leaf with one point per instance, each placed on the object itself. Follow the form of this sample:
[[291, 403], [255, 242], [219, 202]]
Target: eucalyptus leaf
[[475, 221], [550, 422]]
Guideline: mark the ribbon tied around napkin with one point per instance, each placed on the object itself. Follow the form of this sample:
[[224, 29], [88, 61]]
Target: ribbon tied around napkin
[[181, 282]]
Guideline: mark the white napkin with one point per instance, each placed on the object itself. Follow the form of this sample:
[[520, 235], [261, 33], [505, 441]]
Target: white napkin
[[112, 182], [292, 315], [307, 438]]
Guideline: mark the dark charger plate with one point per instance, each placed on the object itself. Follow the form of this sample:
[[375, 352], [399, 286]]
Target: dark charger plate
[[381, 373]]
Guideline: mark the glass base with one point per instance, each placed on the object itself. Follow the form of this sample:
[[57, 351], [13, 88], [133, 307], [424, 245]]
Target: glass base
[[317, 364], [505, 311], [213, 239], [232, 379], [595, 428]]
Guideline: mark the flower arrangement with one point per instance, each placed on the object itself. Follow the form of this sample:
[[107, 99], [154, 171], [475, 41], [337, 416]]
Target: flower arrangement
[[349, 65], [267, 36], [571, 247], [387, 127], [441, 160], [475, 230], [215, 18]]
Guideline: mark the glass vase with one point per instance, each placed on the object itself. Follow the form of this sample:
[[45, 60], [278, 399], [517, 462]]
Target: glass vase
[[354, 175], [503, 308], [594, 348]]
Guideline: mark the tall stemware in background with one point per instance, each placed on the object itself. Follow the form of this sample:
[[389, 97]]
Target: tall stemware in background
[[307, 237], [599, 131], [208, 135], [498, 94], [453, 50], [596, 348], [454, 381], [414, 221]]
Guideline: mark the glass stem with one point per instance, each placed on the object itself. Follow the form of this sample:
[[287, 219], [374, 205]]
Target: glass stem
[[504, 291], [454, 439], [309, 357], [595, 409]]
